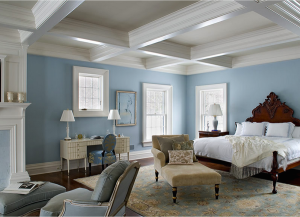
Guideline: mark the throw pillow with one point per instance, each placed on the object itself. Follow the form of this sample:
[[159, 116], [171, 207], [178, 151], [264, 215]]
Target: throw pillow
[[187, 145], [107, 181], [166, 143], [180, 156]]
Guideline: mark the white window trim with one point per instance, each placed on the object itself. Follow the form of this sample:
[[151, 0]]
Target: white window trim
[[169, 104], [198, 101], [105, 92]]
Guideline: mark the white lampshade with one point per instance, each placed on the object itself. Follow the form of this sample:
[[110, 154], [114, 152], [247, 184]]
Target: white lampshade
[[67, 115], [113, 115], [215, 110]]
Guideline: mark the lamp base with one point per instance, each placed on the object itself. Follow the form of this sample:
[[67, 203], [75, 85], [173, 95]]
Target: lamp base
[[215, 124], [67, 139]]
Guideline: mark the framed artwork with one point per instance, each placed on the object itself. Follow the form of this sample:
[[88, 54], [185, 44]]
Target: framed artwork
[[126, 105]]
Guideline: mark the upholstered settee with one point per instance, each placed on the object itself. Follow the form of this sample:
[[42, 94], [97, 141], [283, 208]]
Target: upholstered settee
[[182, 175]]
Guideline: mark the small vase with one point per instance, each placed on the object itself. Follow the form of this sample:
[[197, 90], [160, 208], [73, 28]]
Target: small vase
[[21, 97], [10, 96]]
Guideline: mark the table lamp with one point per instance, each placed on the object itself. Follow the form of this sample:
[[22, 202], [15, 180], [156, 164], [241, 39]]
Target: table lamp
[[67, 116], [215, 110], [114, 115]]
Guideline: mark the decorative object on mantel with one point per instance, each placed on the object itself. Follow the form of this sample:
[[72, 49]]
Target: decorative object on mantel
[[10, 96], [126, 105], [67, 116], [114, 115], [79, 136], [21, 97], [215, 110]]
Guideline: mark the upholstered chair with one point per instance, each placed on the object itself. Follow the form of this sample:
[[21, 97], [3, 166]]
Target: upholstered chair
[[109, 197], [105, 156]]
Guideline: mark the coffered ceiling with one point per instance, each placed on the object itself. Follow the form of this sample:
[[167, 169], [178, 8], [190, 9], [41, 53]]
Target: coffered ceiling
[[183, 37]]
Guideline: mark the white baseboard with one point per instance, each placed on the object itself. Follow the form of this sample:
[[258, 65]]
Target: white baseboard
[[54, 166]]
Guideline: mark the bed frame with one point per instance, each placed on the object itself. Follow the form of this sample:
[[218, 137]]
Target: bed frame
[[274, 111]]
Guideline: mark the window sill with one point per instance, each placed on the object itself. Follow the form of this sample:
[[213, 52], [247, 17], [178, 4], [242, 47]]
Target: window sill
[[147, 143]]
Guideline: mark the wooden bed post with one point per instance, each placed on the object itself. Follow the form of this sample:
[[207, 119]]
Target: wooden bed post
[[274, 172]]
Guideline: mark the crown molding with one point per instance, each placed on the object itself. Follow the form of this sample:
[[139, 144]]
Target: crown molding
[[78, 30], [192, 17], [126, 61], [103, 52], [24, 35], [198, 69], [9, 35], [16, 17], [157, 62], [247, 41], [66, 52]]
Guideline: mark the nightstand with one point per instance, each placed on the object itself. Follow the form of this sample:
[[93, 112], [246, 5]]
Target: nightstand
[[212, 134]]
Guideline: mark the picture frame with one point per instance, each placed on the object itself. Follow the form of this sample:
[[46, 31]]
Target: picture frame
[[126, 104]]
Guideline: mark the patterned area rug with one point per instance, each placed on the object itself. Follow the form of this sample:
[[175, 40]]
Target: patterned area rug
[[247, 197]]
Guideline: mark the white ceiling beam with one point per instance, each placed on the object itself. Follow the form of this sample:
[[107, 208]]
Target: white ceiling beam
[[16, 17], [48, 14], [192, 17], [197, 69], [265, 9], [223, 61], [251, 40], [103, 52], [90, 33], [158, 62]]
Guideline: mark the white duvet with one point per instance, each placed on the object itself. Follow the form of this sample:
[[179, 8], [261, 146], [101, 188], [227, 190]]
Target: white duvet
[[220, 148]]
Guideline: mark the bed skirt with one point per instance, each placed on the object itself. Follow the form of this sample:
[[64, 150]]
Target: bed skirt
[[244, 172]]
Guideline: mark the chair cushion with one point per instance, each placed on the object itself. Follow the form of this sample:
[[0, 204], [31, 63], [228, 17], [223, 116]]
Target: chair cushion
[[55, 205], [166, 144], [107, 180], [12, 202], [95, 157], [187, 145], [189, 175]]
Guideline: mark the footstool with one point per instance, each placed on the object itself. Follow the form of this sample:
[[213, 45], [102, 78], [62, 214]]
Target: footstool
[[190, 175], [18, 204]]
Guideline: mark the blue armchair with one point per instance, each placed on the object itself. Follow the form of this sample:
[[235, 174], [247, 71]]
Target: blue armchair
[[105, 156]]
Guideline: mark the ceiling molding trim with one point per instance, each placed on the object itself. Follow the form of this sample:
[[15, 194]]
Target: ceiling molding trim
[[51, 20], [80, 30], [175, 69], [157, 62], [59, 51], [126, 61], [168, 49], [16, 17], [195, 16], [251, 40], [267, 57], [9, 35], [24, 35], [197, 69], [103, 52]]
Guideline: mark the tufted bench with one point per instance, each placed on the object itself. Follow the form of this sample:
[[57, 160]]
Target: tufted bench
[[18, 204]]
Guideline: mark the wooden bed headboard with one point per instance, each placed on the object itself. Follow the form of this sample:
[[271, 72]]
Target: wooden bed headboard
[[273, 111]]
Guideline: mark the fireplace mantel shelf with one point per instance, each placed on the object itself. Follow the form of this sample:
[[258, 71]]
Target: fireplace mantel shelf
[[14, 105]]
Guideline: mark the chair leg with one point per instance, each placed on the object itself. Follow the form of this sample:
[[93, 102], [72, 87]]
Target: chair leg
[[156, 175], [90, 168], [102, 167], [106, 165], [174, 190], [217, 186]]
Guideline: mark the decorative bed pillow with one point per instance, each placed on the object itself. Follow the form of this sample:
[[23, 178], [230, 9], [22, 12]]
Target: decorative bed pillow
[[238, 130], [296, 133], [180, 156], [278, 130], [166, 143], [187, 145], [253, 129]]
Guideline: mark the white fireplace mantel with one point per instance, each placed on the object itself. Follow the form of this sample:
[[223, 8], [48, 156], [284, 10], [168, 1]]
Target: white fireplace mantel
[[12, 118]]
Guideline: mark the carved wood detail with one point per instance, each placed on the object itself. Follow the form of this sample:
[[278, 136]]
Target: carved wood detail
[[273, 111]]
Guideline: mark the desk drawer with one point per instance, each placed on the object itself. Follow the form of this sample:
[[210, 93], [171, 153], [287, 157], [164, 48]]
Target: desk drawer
[[122, 146], [77, 155]]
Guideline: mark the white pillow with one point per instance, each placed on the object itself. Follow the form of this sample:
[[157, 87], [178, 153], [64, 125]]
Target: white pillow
[[278, 130], [296, 133], [238, 130], [291, 129], [253, 129]]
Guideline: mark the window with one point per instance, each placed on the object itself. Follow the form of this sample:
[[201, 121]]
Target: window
[[90, 92], [205, 96], [157, 111]]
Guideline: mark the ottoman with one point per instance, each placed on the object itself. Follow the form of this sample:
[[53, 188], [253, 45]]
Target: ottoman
[[189, 175], [18, 204]]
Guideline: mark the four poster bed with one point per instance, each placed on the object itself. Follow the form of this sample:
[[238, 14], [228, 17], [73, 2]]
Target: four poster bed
[[272, 111]]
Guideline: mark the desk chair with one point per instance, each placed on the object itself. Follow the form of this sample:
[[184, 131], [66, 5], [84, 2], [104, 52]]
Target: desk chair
[[105, 156]]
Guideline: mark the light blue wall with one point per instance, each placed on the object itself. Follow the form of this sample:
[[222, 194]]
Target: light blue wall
[[50, 92], [5, 158], [247, 87]]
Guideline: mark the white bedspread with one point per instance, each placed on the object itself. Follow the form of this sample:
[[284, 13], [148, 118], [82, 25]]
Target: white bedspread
[[220, 148]]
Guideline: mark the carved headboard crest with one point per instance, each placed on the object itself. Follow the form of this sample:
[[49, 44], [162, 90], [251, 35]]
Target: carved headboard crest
[[273, 111]]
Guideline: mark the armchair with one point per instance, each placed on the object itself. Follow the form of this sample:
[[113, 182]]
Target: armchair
[[81, 202]]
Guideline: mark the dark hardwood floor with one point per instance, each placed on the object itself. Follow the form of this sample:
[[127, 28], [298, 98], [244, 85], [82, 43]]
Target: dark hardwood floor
[[289, 177]]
